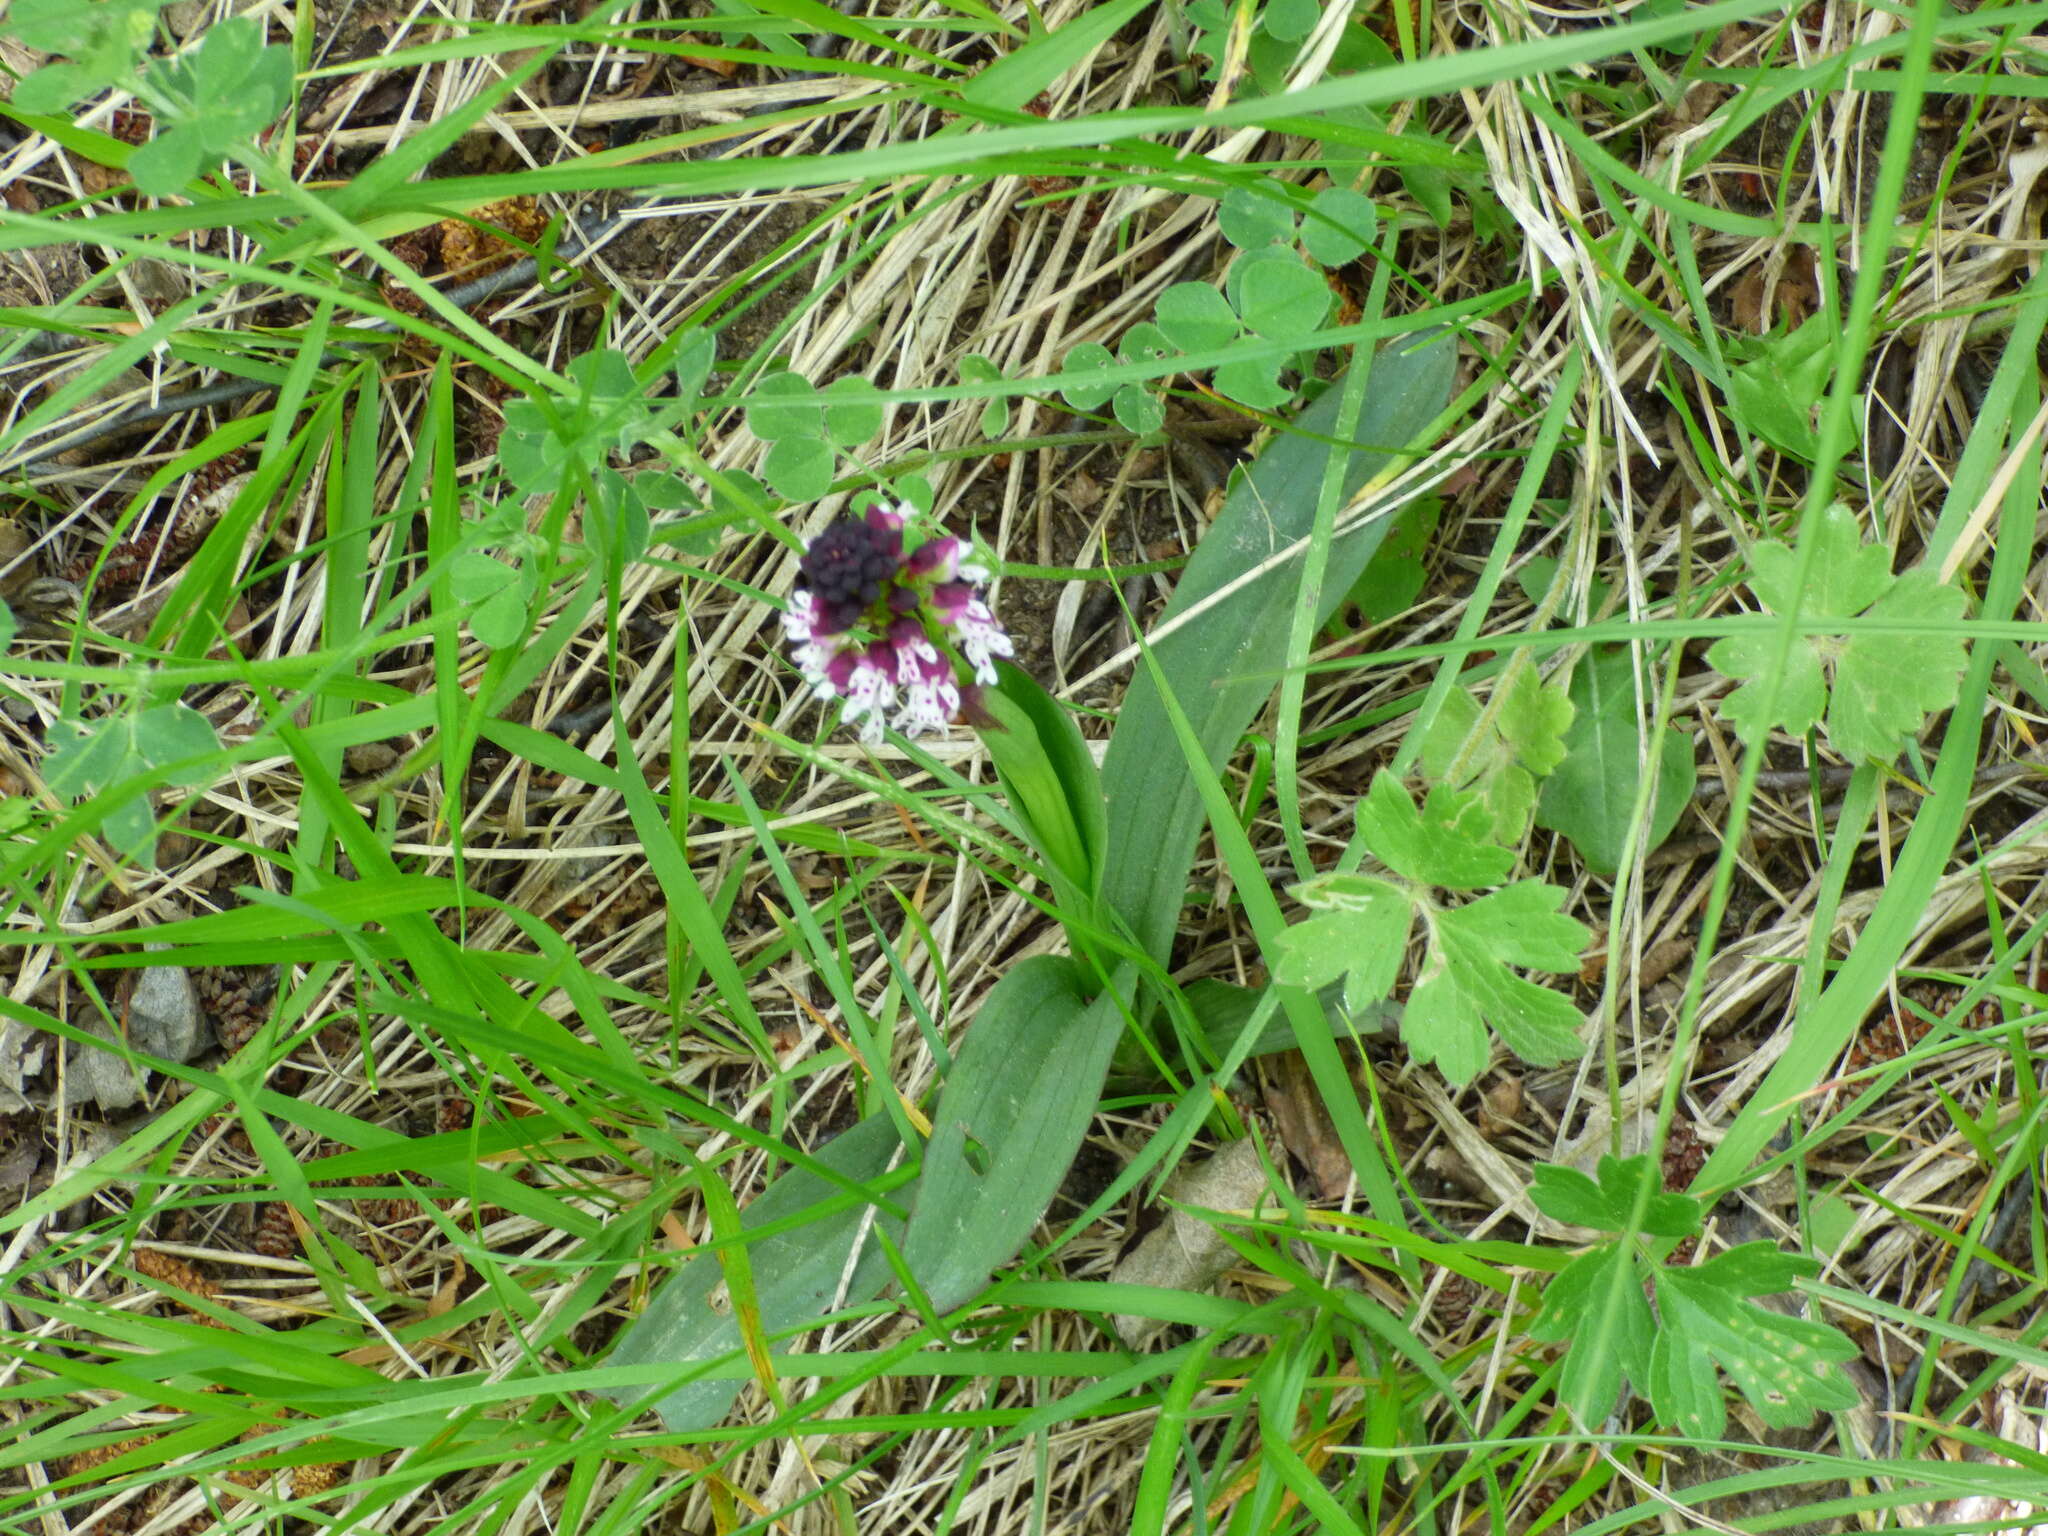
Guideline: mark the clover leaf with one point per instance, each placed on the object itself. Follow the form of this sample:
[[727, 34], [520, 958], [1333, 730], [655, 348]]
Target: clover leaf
[[88, 756], [1253, 219], [99, 44], [1196, 318], [209, 103], [995, 415], [1884, 682], [1339, 225]]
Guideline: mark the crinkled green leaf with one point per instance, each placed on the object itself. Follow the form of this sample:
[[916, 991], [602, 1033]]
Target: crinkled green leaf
[[1570, 1196], [1788, 1367], [1537, 1024], [1887, 684], [1608, 1324], [1444, 844], [1359, 931], [1521, 924]]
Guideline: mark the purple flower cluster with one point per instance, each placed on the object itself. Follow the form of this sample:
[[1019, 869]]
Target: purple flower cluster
[[884, 628]]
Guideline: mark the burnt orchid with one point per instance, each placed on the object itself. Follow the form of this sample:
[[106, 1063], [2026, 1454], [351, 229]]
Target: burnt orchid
[[886, 627]]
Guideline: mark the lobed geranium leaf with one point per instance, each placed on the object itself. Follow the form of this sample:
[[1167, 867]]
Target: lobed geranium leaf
[[1788, 1367], [1359, 932], [1884, 683]]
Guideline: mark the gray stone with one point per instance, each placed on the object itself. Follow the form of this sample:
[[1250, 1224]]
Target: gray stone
[[95, 1076], [164, 1017]]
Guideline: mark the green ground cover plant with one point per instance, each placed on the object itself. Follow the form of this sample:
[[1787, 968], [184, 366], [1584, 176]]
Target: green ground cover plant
[[699, 699]]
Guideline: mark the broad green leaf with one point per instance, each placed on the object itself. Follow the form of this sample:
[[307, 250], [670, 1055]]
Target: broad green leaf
[[9, 626], [1592, 793], [1392, 579], [692, 364], [1218, 666], [1777, 394], [1291, 20], [1138, 411], [177, 733], [798, 1273], [1253, 382], [167, 164], [1008, 1123], [800, 469], [1049, 776]]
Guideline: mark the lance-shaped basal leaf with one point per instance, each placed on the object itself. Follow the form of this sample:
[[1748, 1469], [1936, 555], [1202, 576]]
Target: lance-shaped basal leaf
[[1008, 1122], [1885, 680], [1220, 664], [802, 1272], [1049, 777]]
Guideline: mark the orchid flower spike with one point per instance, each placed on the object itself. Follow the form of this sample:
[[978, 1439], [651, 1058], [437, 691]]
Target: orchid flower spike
[[889, 629]]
